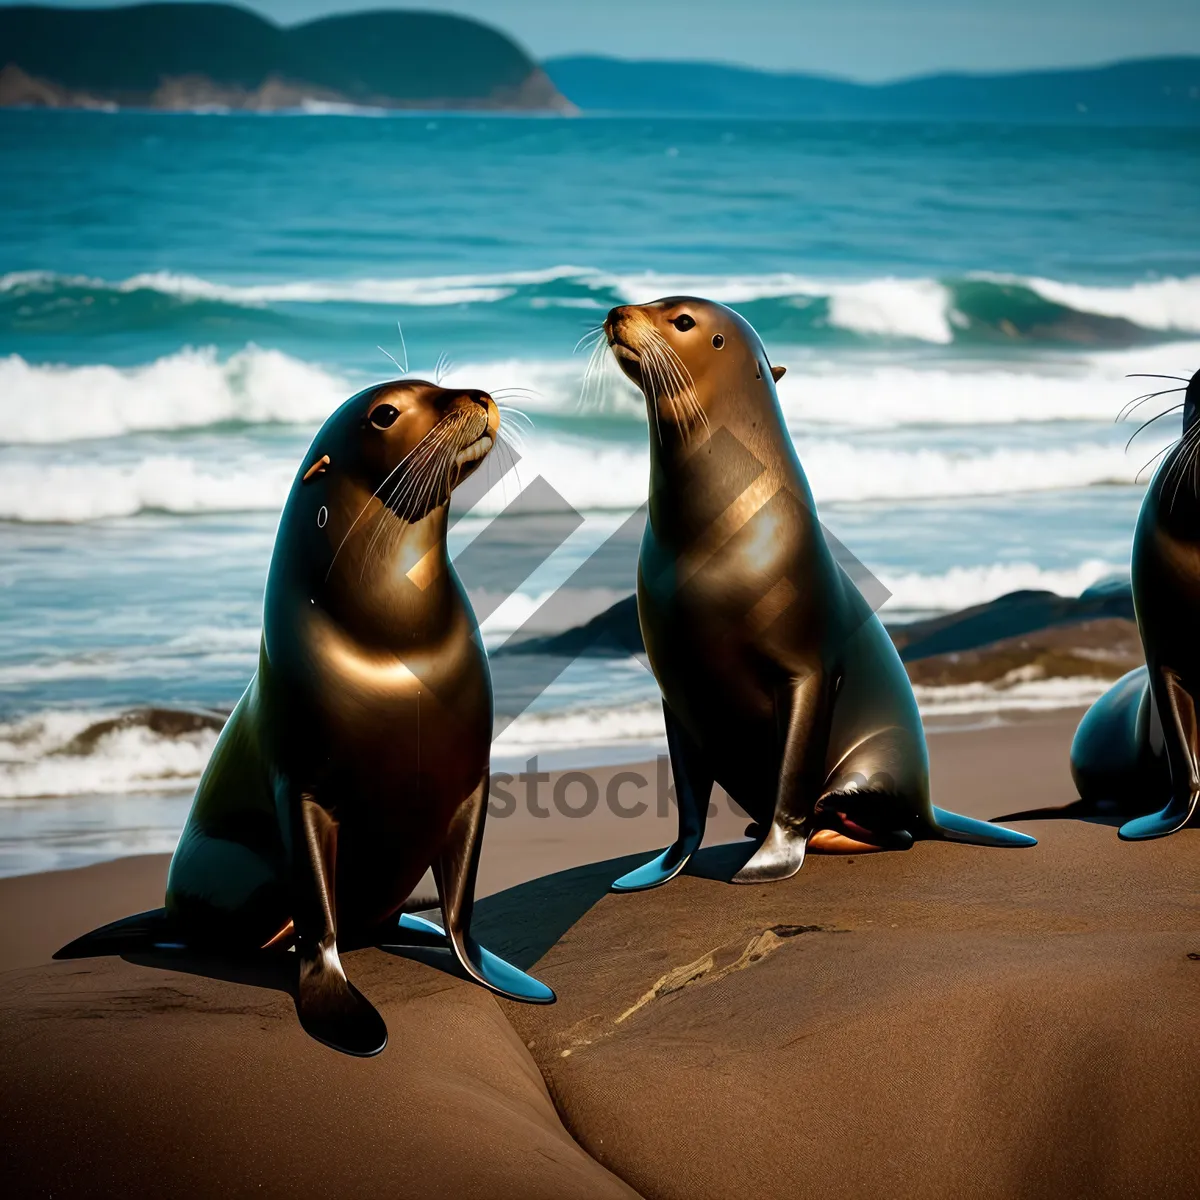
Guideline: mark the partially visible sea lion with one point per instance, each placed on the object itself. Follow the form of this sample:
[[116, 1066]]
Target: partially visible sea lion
[[359, 755], [1138, 747], [778, 681]]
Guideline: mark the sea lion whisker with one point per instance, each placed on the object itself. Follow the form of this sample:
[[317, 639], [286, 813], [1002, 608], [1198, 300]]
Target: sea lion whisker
[[443, 367], [514, 413], [687, 388], [389, 354], [405, 502], [1191, 452], [593, 370], [1166, 412], [595, 375], [418, 459], [1157, 454], [595, 333], [381, 523], [514, 462], [401, 504], [652, 383], [507, 396], [1144, 375], [399, 466], [1185, 449], [403, 346], [679, 386], [1138, 401]]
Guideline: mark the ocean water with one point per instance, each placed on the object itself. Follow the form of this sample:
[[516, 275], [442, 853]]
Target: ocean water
[[185, 297]]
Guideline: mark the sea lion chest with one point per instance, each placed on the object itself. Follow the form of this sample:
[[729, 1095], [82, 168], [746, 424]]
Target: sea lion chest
[[1166, 580], [396, 727]]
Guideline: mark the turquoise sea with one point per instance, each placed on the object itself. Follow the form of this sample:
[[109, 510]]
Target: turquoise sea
[[185, 297]]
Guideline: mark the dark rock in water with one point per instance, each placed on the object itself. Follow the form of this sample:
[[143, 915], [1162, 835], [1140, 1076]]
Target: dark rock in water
[[615, 632], [164, 722], [180, 56], [1102, 649], [1116, 584], [1007, 617]]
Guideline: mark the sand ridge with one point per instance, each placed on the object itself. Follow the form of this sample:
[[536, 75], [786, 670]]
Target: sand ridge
[[943, 1022]]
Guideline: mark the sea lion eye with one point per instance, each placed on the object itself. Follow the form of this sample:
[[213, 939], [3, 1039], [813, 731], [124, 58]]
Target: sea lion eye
[[384, 416], [683, 323], [718, 340]]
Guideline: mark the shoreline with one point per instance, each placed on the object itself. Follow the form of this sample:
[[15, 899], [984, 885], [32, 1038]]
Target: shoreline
[[45, 834], [929, 1007], [544, 831]]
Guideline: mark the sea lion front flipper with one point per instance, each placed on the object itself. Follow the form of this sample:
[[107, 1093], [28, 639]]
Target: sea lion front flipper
[[330, 1007], [454, 871], [693, 786], [1182, 738], [781, 854], [954, 827]]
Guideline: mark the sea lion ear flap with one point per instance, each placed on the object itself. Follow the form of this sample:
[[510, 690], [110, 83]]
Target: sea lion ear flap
[[777, 373], [318, 468]]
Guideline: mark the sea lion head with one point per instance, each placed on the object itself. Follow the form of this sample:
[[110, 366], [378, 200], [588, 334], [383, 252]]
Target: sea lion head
[[682, 352], [387, 459], [1191, 403]]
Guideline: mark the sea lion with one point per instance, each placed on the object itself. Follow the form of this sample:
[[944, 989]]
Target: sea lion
[[358, 757], [778, 681], [1138, 746]]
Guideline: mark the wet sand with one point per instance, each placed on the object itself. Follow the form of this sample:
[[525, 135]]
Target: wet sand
[[942, 1022]]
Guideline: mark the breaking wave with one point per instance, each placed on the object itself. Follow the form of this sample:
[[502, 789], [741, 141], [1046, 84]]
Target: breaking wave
[[969, 308], [590, 477], [189, 390]]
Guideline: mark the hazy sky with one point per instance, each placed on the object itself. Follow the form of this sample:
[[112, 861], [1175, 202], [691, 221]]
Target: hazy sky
[[864, 39]]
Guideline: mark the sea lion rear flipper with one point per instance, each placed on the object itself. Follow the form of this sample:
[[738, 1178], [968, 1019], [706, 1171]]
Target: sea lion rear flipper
[[954, 827], [693, 786], [130, 935], [1175, 816], [1180, 735], [331, 1009], [454, 871], [781, 854]]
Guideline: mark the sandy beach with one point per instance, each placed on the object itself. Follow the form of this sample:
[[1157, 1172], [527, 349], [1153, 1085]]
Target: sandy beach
[[942, 1022]]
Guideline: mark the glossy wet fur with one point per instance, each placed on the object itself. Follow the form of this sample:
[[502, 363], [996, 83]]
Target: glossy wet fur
[[778, 682], [359, 756], [1138, 748]]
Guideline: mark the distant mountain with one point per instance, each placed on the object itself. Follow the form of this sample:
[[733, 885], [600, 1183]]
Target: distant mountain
[[1159, 91], [193, 55]]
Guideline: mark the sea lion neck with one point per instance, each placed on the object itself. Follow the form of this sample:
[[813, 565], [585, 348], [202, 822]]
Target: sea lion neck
[[1176, 489], [745, 441], [383, 581]]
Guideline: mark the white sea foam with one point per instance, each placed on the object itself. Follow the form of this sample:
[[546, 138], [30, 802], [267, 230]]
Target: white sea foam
[[1032, 695], [195, 388], [1168, 304], [417, 291], [90, 490], [37, 760], [915, 308], [1088, 388], [842, 471], [961, 587], [638, 722], [820, 391], [191, 389], [591, 478]]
